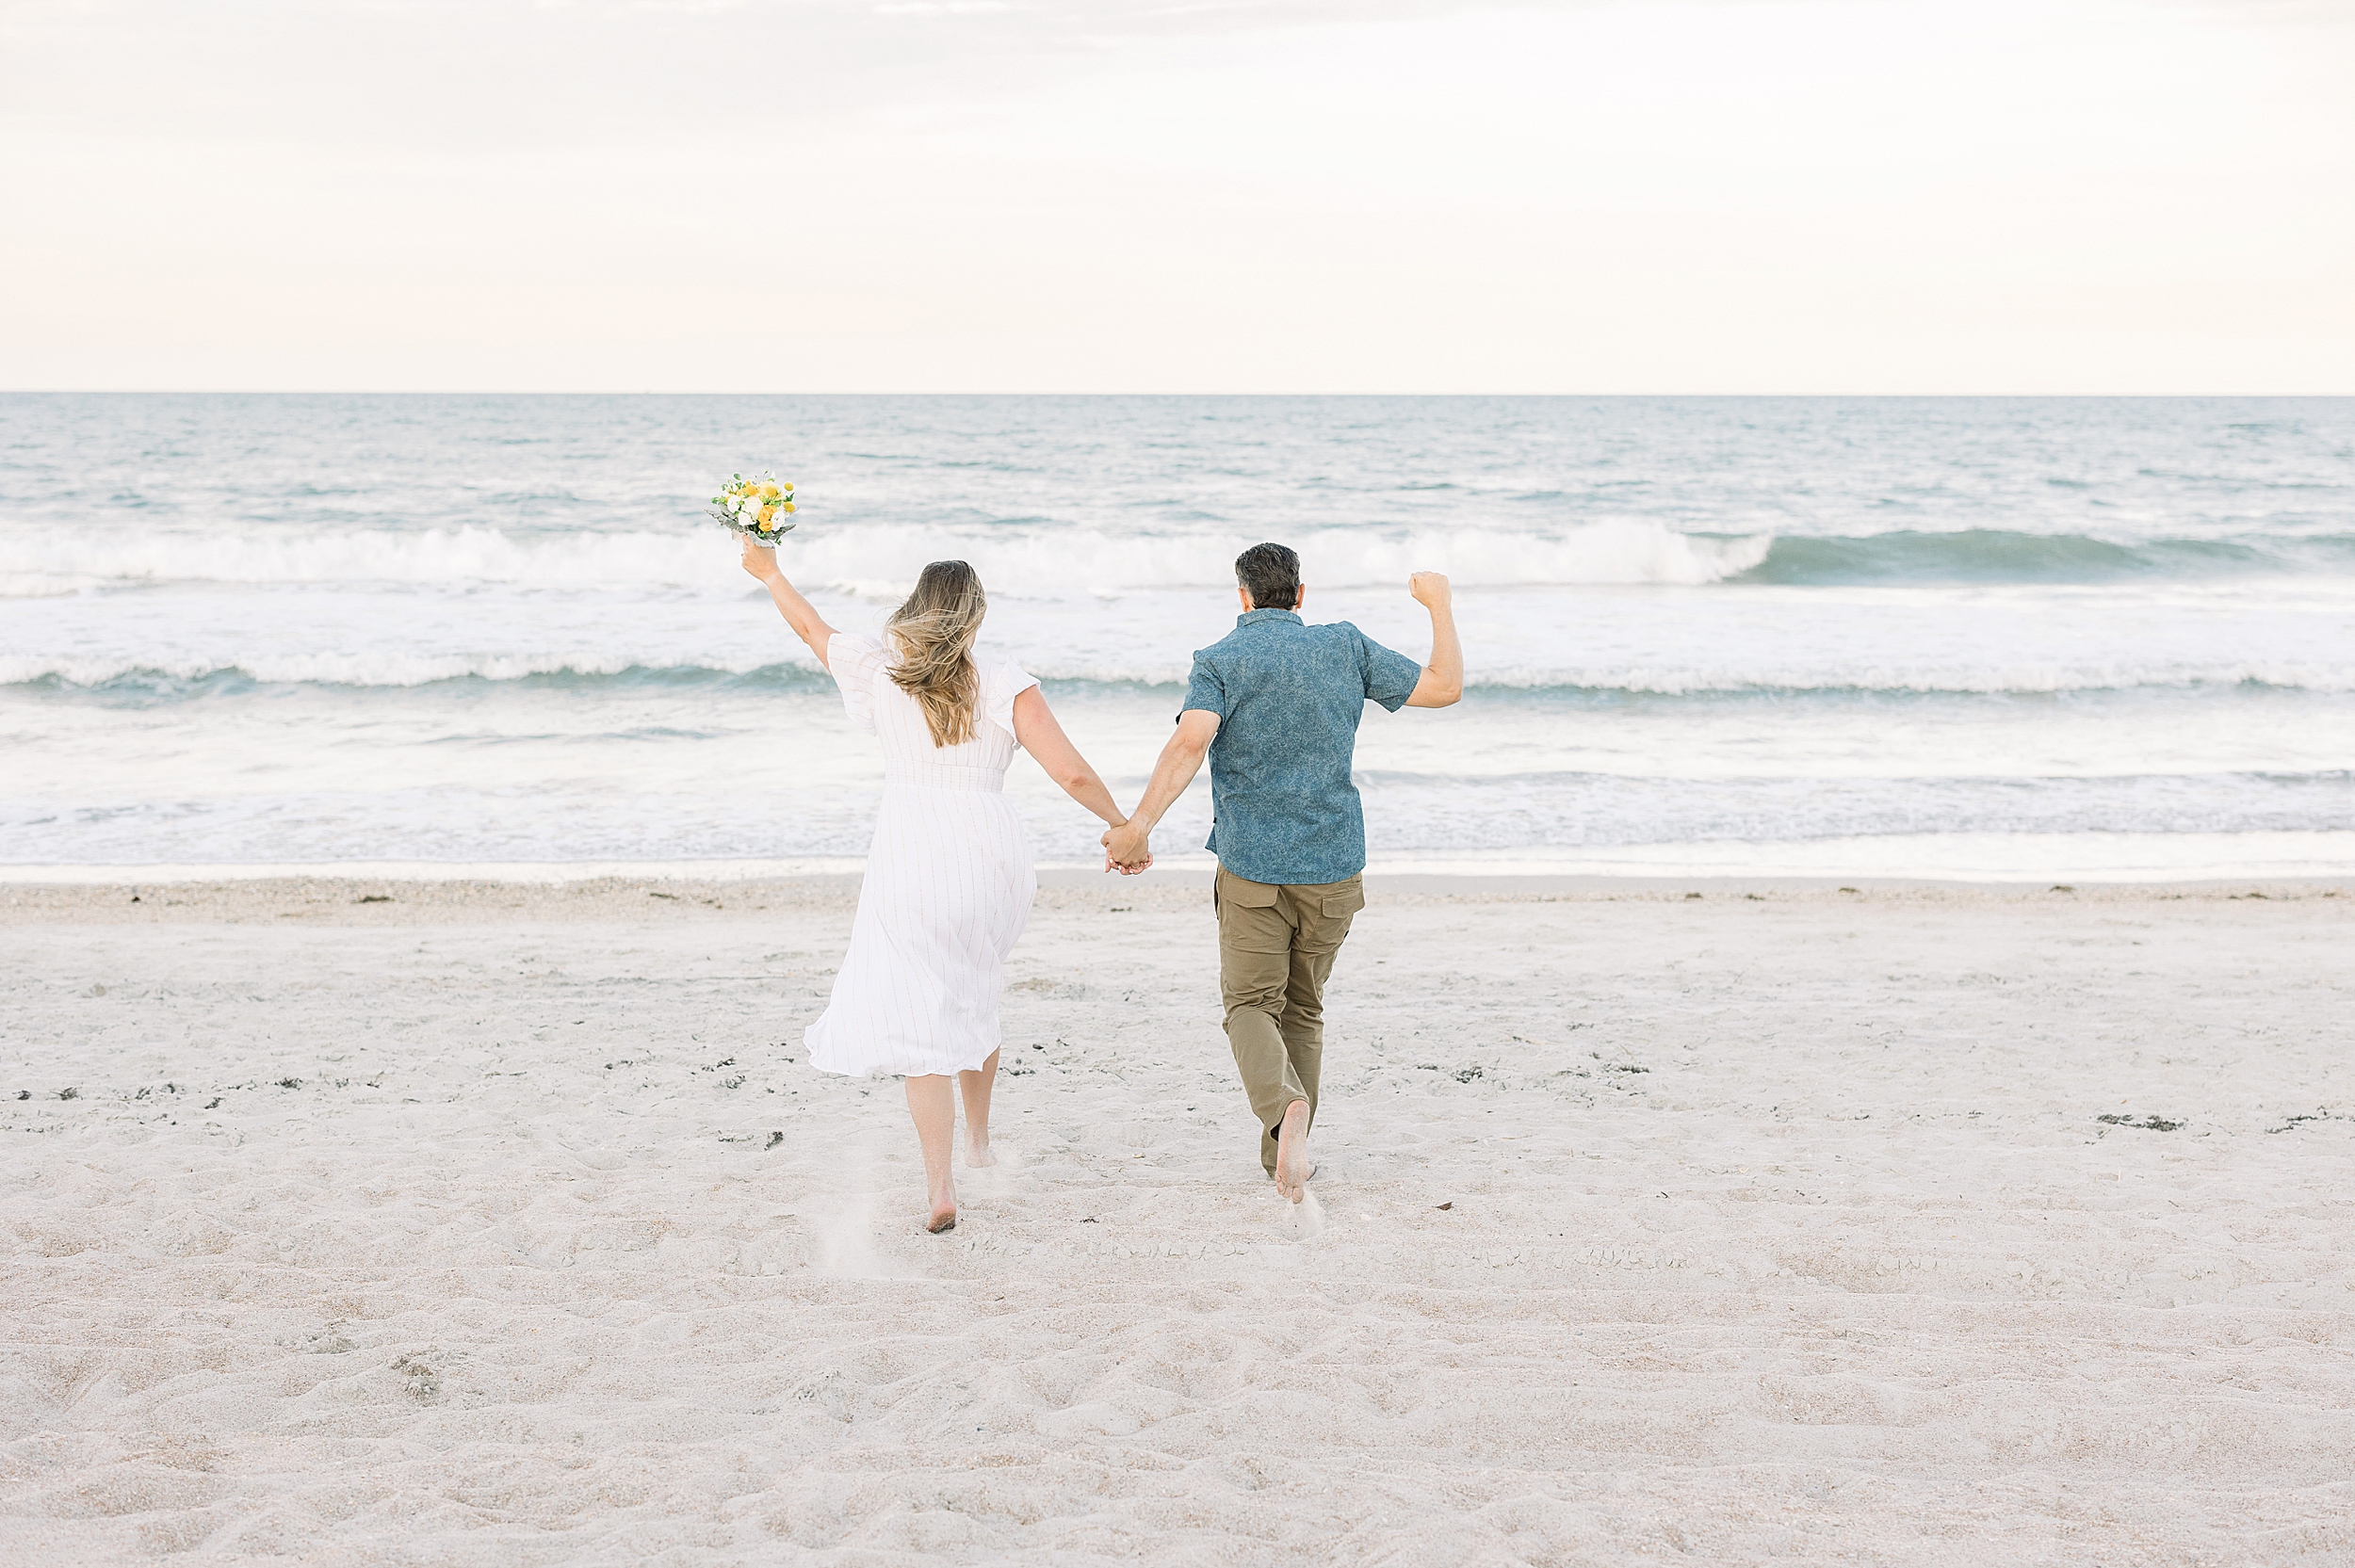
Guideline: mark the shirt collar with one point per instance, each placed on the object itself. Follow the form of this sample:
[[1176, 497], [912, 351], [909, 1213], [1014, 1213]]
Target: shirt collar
[[1251, 617]]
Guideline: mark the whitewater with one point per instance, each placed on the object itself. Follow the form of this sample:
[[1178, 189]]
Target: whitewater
[[1965, 638]]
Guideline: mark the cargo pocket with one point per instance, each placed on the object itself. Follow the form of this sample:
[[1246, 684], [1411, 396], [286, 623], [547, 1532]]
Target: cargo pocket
[[1340, 906], [1329, 928], [1234, 890], [1254, 936]]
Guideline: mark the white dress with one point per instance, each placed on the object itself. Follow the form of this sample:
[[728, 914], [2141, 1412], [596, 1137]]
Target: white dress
[[948, 882]]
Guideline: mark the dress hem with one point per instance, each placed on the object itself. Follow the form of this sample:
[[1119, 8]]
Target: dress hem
[[884, 1072]]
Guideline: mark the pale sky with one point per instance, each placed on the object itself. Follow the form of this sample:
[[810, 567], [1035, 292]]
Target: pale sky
[[1695, 196]]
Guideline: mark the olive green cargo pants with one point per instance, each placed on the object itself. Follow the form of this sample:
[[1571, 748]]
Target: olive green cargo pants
[[1275, 947]]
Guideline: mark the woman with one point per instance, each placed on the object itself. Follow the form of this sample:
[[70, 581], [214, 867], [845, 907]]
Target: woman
[[948, 880]]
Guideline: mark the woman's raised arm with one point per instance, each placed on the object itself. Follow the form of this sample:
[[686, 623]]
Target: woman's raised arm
[[799, 613], [1034, 726]]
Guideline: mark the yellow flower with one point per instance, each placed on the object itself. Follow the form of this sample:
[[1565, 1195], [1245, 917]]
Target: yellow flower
[[768, 514], [769, 491], [785, 506]]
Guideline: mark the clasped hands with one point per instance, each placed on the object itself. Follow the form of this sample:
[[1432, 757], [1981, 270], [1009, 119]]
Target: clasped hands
[[1128, 849]]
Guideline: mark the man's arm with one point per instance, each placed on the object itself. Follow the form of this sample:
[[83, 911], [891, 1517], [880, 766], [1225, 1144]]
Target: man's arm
[[1129, 846], [1442, 682]]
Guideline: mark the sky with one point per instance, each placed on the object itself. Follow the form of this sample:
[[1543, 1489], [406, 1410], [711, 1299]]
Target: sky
[[1609, 196]]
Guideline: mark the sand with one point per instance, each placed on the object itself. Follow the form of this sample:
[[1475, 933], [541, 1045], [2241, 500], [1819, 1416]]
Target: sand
[[506, 1224]]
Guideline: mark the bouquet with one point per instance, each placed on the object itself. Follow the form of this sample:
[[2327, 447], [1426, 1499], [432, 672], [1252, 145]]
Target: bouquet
[[756, 508]]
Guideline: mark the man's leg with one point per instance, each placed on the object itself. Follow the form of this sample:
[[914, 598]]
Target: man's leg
[[1321, 917], [1255, 945]]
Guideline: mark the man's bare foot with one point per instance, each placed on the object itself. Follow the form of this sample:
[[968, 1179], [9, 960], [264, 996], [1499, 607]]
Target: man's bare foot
[[1292, 1169], [944, 1215], [979, 1154]]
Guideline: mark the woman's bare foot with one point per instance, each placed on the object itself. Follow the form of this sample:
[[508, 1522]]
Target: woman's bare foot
[[1292, 1169], [979, 1154], [944, 1215]]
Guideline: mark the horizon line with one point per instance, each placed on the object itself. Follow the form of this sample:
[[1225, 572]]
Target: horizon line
[[674, 391]]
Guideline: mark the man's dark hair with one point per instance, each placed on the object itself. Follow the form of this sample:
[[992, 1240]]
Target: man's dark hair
[[1271, 575]]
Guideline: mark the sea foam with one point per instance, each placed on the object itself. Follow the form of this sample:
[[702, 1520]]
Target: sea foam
[[875, 560], [144, 674]]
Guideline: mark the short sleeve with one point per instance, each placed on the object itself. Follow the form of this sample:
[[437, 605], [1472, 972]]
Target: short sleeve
[[1204, 689], [1390, 678], [857, 665], [1000, 685]]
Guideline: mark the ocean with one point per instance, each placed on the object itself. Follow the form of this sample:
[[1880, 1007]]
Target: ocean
[[1974, 637]]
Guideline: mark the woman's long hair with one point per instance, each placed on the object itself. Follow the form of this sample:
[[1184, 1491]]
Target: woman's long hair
[[933, 634]]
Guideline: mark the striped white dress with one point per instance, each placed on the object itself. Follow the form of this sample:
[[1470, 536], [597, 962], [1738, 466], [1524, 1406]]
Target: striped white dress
[[948, 883]]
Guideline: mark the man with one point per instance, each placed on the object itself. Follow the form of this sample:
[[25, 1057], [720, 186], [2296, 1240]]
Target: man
[[1275, 705]]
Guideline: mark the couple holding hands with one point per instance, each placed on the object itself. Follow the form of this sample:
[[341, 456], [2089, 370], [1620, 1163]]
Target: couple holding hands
[[1274, 705]]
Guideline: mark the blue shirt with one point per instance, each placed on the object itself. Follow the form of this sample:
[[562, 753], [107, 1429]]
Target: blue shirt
[[1288, 698]]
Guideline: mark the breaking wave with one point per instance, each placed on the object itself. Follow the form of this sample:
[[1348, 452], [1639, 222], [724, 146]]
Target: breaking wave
[[2002, 556], [874, 559], [881, 560]]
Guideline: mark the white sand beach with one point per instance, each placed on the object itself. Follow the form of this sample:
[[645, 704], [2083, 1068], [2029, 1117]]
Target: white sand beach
[[501, 1224]]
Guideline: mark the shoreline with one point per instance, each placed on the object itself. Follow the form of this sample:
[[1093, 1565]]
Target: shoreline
[[385, 901], [2018, 861]]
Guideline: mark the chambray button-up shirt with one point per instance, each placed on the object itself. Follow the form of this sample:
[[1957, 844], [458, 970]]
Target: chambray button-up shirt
[[1287, 697]]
